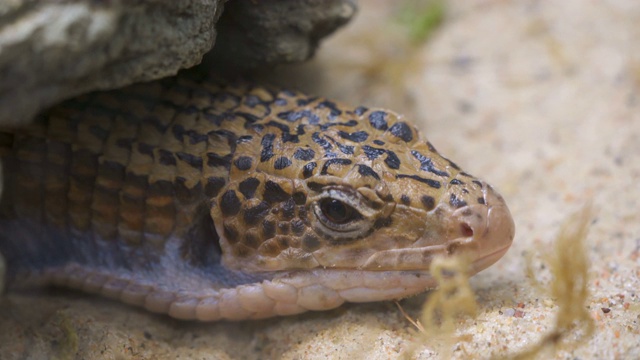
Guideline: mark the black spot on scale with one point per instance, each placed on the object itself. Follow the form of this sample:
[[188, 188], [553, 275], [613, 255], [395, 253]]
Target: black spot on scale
[[350, 123], [255, 214], [300, 198], [365, 170], [185, 194], [428, 202], [229, 203], [166, 157], [404, 199], [402, 130], [155, 122], [477, 183], [371, 152], [193, 161], [267, 147], [256, 127], [378, 142], [279, 126], [330, 162], [334, 111], [248, 187], [433, 183], [281, 163], [268, 228], [378, 120], [307, 170], [178, 131], [297, 227], [304, 154], [427, 165], [392, 160], [244, 139], [288, 209], [358, 136], [223, 96], [195, 137], [214, 159], [302, 212], [293, 116], [305, 101], [288, 92], [314, 186], [248, 118], [243, 162], [481, 201], [345, 149], [326, 146], [216, 119], [360, 110], [286, 135], [213, 186], [465, 174], [456, 202], [456, 182], [273, 193], [252, 100], [228, 135]]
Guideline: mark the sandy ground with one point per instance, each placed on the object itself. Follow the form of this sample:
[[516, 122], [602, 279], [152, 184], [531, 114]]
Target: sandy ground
[[539, 98]]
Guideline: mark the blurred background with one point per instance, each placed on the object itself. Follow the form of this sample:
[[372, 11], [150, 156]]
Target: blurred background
[[538, 98]]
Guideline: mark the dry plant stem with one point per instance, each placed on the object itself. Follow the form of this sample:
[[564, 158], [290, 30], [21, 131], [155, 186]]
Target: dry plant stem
[[569, 265], [415, 323], [452, 299]]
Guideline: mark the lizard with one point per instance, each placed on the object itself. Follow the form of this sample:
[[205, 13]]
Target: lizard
[[209, 201]]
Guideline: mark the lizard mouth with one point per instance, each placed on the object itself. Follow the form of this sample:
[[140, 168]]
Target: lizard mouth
[[482, 232]]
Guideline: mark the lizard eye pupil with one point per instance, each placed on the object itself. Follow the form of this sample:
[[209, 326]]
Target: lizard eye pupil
[[336, 211]]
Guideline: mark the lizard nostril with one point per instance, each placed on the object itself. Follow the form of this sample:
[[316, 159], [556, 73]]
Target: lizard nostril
[[466, 230]]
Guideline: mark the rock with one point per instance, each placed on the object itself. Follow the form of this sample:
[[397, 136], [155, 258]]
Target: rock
[[259, 33], [51, 51]]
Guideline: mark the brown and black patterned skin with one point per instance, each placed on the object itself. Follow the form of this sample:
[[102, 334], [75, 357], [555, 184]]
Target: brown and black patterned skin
[[184, 186]]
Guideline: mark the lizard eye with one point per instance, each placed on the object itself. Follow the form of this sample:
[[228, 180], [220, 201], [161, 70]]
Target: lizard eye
[[342, 213], [336, 211]]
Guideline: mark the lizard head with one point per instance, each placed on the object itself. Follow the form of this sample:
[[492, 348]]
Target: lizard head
[[351, 191]]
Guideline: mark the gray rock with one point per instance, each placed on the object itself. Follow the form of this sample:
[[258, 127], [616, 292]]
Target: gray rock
[[51, 50], [259, 33]]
